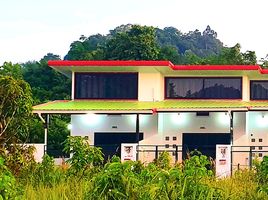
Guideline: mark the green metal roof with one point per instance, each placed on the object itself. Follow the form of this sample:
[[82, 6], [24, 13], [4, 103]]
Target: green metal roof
[[73, 106]]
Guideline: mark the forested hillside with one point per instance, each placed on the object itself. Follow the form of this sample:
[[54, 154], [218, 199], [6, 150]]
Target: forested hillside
[[134, 42], [125, 42]]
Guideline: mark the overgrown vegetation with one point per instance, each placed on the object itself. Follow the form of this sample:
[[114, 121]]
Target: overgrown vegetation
[[84, 176]]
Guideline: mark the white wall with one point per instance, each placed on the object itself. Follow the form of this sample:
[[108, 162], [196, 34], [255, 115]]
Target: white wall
[[39, 151], [151, 87], [245, 88], [258, 127], [87, 125], [174, 124]]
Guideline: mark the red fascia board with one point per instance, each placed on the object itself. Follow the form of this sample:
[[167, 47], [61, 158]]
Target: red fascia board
[[126, 63], [103, 63], [216, 67], [263, 71]]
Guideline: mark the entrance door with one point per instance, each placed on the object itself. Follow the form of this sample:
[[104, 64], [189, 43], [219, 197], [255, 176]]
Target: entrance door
[[204, 142], [111, 142]]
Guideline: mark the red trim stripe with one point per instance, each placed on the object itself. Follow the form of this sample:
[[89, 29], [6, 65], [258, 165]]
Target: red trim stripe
[[150, 63], [216, 67], [64, 63]]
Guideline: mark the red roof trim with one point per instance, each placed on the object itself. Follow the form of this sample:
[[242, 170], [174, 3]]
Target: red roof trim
[[216, 67], [65, 63], [108, 63]]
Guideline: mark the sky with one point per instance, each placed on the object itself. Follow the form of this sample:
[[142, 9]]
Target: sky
[[29, 29]]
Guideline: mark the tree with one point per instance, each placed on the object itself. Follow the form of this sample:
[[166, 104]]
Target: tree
[[233, 56], [15, 108], [9, 69], [170, 53], [139, 43], [47, 84]]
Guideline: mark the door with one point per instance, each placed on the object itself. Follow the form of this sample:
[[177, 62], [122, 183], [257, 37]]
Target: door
[[204, 142], [111, 142]]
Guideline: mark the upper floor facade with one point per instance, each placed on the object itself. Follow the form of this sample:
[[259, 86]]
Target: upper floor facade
[[161, 80]]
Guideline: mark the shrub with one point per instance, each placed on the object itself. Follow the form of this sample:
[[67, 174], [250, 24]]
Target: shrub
[[8, 185], [18, 158], [83, 156]]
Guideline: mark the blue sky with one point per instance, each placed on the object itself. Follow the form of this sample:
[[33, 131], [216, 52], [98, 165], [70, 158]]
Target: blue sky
[[31, 28]]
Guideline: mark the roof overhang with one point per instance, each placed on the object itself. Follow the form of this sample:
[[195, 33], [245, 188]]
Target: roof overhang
[[133, 107], [164, 67]]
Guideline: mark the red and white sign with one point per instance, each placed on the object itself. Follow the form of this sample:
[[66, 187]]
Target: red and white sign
[[128, 151], [223, 160]]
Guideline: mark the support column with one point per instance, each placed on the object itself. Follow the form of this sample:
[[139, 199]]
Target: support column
[[138, 128], [46, 131], [232, 138], [232, 127], [137, 134]]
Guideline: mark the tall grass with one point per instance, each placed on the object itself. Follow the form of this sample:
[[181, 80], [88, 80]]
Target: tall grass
[[72, 189]]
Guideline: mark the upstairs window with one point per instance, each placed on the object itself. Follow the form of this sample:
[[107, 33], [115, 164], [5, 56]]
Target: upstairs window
[[259, 90], [203, 88], [106, 86]]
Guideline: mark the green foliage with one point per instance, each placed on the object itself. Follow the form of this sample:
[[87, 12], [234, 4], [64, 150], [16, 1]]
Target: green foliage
[[9, 69], [44, 173], [197, 165], [18, 158], [58, 133], [47, 84], [8, 185], [15, 108], [164, 160], [262, 173], [83, 156], [138, 43]]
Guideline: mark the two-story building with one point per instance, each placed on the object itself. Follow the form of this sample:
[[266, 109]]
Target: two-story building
[[158, 103]]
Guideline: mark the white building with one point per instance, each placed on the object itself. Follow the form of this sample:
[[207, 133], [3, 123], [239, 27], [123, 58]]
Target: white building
[[174, 108]]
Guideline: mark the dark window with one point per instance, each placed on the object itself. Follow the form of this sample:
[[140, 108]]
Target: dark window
[[259, 90], [106, 86], [202, 113], [203, 88]]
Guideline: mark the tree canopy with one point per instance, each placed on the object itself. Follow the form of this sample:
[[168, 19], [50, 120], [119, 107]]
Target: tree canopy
[[15, 108]]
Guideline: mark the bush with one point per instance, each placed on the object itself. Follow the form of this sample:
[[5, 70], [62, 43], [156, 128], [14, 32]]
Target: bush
[[19, 158], [84, 156], [8, 185]]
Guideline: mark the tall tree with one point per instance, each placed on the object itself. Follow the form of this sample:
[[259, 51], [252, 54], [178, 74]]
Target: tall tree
[[47, 84], [139, 43], [15, 108], [9, 69]]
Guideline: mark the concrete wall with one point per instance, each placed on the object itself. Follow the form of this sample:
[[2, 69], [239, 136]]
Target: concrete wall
[[39, 151], [87, 125], [151, 87], [245, 88]]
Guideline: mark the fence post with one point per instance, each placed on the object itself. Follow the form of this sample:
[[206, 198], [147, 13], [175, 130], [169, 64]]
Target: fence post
[[156, 152], [250, 157], [176, 154]]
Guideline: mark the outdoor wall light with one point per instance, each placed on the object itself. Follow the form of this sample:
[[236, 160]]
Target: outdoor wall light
[[91, 119], [69, 126], [261, 120]]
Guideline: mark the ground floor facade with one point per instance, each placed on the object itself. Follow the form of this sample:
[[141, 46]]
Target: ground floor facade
[[178, 133]]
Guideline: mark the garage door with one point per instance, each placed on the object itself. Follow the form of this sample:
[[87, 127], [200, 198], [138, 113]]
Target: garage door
[[111, 142], [204, 142]]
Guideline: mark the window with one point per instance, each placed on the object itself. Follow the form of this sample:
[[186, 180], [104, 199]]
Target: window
[[203, 88], [259, 90], [106, 86]]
